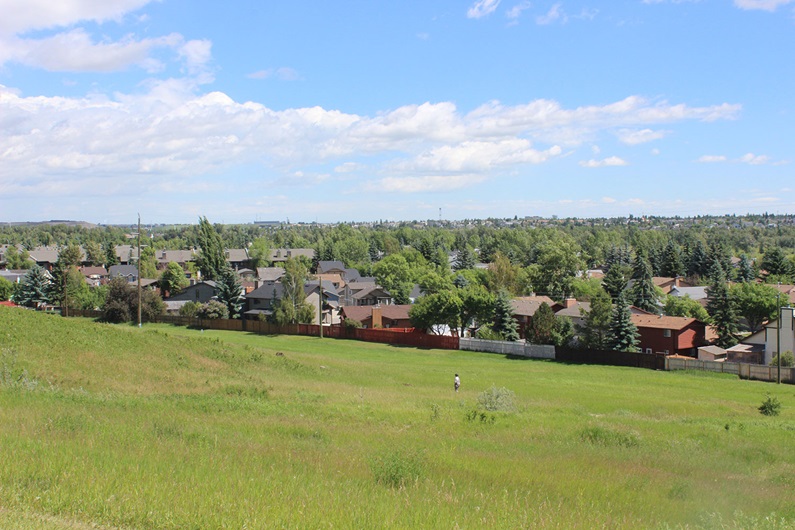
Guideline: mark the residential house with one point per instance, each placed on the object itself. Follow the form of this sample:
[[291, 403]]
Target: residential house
[[180, 257], [199, 292], [670, 335], [95, 276], [525, 307], [352, 288], [13, 276], [787, 290], [372, 296], [129, 272], [126, 254], [269, 274], [280, 255], [572, 309], [237, 257], [44, 257], [331, 301], [786, 325], [331, 267], [390, 316], [698, 294], [262, 300]]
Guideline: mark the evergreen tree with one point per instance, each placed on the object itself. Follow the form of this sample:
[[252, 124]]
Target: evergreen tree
[[292, 307], [615, 281], [623, 335], [34, 288], [745, 270], [464, 259], [542, 326], [644, 294], [111, 258], [672, 263], [230, 292], [775, 262], [504, 323], [697, 264], [596, 330], [212, 258], [721, 308]]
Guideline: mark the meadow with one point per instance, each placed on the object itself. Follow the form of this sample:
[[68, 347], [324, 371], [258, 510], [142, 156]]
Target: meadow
[[165, 427]]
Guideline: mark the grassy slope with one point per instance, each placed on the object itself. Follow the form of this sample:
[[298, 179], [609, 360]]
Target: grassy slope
[[173, 428]]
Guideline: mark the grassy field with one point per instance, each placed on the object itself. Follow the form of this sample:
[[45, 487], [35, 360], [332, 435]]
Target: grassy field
[[165, 427]]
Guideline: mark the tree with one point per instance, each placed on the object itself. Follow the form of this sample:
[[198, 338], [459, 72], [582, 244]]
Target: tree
[[464, 259], [477, 306], [394, 274], [212, 258], [16, 260], [557, 264], [698, 264], [775, 262], [672, 261], [173, 279], [147, 265], [260, 252], [585, 288], [504, 324], [596, 329], [71, 255], [624, 334], [745, 270], [756, 302], [615, 281], [721, 308], [94, 254], [6, 289], [35, 288], [436, 312], [542, 326], [644, 295], [684, 306], [111, 258], [292, 307], [230, 292], [502, 275], [212, 310], [121, 303]]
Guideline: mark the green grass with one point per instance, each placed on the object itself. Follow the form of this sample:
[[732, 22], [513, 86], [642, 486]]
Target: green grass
[[166, 427]]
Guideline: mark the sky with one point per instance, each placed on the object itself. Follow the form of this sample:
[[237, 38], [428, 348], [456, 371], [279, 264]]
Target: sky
[[374, 110]]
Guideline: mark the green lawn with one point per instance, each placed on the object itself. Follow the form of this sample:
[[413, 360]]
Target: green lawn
[[165, 427]]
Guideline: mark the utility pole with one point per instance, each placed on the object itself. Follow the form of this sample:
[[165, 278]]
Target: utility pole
[[139, 270], [320, 304], [778, 338]]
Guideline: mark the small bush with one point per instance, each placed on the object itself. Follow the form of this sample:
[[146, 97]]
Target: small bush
[[787, 359], [212, 310], [479, 416], [352, 323], [497, 399], [771, 406], [12, 376], [189, 309], [486, 333], [396, 469]]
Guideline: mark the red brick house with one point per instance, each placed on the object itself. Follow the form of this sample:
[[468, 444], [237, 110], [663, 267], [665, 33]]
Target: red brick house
[[524, 308], [672, 335], [386, 316]]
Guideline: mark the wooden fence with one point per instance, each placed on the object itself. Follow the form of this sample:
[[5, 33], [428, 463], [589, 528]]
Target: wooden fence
[[652, 361]]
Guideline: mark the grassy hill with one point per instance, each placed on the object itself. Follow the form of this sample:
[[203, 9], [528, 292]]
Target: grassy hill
[[164, 427]]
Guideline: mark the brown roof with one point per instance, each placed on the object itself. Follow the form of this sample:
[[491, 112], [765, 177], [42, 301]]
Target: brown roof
[[528, 305], [363, 312], [661, 322]]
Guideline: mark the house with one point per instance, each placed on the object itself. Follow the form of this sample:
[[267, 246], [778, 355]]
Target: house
[[126, 254], [236, 257], [352, 288], [269, 274], [787, 290], [373, 295], [262, 300], [331, 301], [280, 255], [327, 267], [13, 276], [44, 257], [199, 292], [572, 309], [390, 316], [129, 272], [333, 277], [670, 335], [95, 275], [712, 353], [180, 257], [698, 294], [525, 307], [786, 324]]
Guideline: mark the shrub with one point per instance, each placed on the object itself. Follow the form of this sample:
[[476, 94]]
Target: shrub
[[486, 333], [213, 310], [497, 399], [787, 359], [608, 437], [352, 323], [771, 406], [189, 309], [397, 469]]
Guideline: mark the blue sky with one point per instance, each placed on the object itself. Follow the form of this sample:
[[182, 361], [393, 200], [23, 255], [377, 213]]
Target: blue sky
[[367, 110]]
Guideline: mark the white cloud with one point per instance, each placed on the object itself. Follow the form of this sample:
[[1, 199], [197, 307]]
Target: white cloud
[[554, 14], [764, 5], [516, 11], [282, 74], [481, 8], [607, 162], [426, 184], [754, 160], [634, 137], [709, 159], [608, 200], [21, 17]]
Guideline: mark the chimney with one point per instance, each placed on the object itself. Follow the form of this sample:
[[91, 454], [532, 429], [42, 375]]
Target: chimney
[[569, 302], [377, 321]]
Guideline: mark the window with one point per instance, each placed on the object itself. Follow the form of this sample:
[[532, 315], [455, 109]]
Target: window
[[648, 350], [666, 333]]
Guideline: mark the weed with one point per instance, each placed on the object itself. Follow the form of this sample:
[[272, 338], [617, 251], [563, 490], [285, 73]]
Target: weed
[[434, 412], [608, 437], [397, 469], [771, 406], [475, 415], [13, 377], [497, 399]]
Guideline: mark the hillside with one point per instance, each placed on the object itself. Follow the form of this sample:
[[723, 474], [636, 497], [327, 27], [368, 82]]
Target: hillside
[[164, 427]]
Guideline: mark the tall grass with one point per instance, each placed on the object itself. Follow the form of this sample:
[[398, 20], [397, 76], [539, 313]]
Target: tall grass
[[167, 427]]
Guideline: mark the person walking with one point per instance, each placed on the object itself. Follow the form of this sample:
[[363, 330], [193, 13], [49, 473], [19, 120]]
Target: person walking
[[457, 382]]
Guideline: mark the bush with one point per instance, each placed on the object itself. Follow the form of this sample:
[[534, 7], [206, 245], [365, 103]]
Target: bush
[[213, 310], [121, 303], [397, 469], [771, 406], [608, 437], [352, 323], [497, 399], [189, 309], [486, 333], [787, 359]]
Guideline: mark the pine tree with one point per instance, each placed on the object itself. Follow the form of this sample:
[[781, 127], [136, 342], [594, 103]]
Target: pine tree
[[721, 308], [35, 288], [623, 335], [615, 281], [504, 323], [697, 264], [596, 330], [464, 259], [644, 295], [542, 326], [111, 258], [672, 263], [745, 271], [230, 292]]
